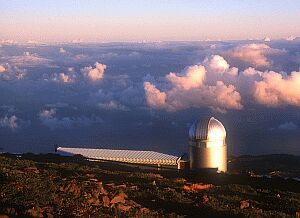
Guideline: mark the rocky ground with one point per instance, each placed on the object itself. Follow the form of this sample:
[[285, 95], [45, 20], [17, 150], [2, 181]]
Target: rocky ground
[[54, 186]]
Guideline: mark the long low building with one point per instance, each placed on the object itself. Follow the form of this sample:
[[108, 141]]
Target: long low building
[[126, 156]]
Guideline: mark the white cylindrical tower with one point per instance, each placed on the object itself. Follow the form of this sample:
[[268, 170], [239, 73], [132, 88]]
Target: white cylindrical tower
[[208, 149]]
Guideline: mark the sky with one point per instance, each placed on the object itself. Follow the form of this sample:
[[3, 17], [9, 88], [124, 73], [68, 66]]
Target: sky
[[150, 20]]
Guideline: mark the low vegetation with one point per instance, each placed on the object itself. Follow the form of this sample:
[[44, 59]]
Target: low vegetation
[[54, 186]]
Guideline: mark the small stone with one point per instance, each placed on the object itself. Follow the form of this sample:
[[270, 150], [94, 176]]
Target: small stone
[[144, 210], [244, 204], [106, 201], [119, 198], [124, 207], [205, 198]]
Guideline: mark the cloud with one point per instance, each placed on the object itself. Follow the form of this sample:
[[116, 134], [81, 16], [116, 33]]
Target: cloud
[[255, 54], [2, 69], [32, 42], [49, 119], [192, 77], [47, 114], [12, 72], [64, 78], [216, 63], [291, 38], [288, 126], [277, 89], [96, 73], [27, 59], [113, 105], [76, 41], [13, 122], [214, 84], [196, 87], [154, 97], [9, 122], [8, 41], [62, 50]]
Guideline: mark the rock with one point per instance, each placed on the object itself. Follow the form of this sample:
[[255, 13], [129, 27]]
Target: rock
[[119, 198], [31, 169], [35, 212], [3, 216], [244, 204], [90, 175], [132, 203], [180, 180], [103, 191], [144, 210], [11, 211], [133, 187], [106, 201], [205, 198], [124, 207], [196, 187], [153, 175], [120, 186], [49, 215]]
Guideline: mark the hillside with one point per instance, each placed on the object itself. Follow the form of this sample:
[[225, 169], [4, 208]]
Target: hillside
[[55, 186]]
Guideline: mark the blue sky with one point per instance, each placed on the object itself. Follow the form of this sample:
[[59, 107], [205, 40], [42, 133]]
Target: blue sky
[[133, 20]]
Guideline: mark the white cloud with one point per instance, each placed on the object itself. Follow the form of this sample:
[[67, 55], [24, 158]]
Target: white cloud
[[32, 42], [47, 114], [75, 41], [113, 105], [62, 50], [49, 119], [2, 69], [291, 38], [255, 54], [288, 126], [217, 64], [27, 59], [276, 89], [155, 98], [8, 41], [192, 77], [9, 122], [196, 87], [96, 73], [64, 78], [12, 72], [216, 87]]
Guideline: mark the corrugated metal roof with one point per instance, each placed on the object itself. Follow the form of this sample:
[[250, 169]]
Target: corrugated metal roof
[[200, 128], [128, 156]]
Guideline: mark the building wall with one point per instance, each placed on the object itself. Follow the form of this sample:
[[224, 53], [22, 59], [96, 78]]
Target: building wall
[[202, 157]]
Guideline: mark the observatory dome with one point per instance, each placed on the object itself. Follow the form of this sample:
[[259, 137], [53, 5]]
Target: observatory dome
[[206, 130], [208, 149]]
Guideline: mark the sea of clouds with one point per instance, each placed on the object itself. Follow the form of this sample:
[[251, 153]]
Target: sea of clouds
[[146, 95]]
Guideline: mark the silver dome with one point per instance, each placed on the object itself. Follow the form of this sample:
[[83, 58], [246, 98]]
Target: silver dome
[[202, 129]]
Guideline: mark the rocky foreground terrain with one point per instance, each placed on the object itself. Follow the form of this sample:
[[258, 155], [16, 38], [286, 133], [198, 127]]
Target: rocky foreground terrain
[[55, 186]]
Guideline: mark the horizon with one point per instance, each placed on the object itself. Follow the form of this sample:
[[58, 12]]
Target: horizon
[[149, 20]]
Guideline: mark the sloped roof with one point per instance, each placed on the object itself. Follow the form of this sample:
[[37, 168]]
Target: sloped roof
[[128, 156]]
